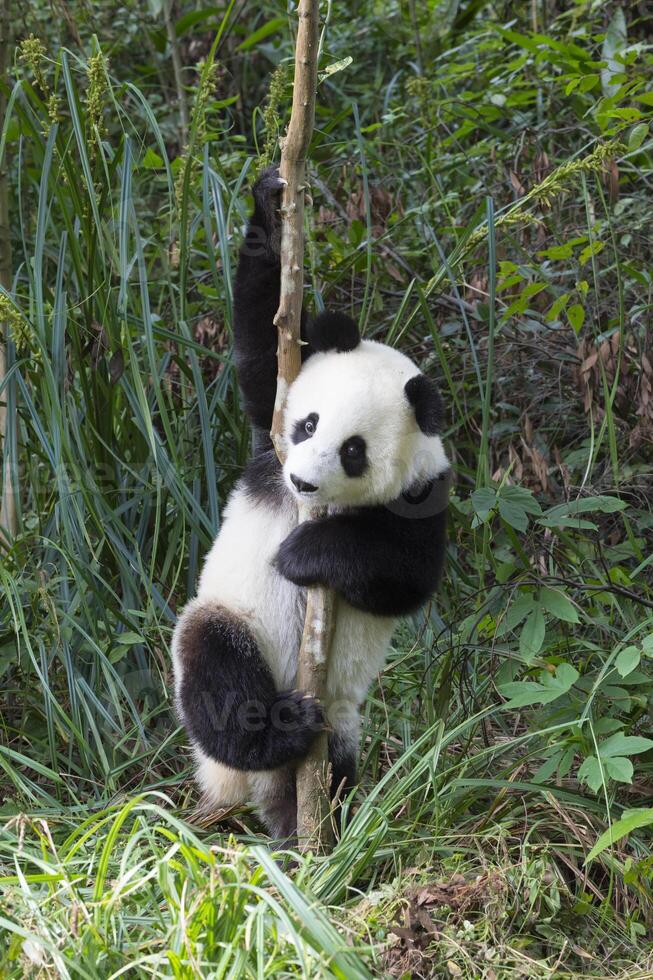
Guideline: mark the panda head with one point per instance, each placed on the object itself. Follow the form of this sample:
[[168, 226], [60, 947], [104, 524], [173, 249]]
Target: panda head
[[362, 423]]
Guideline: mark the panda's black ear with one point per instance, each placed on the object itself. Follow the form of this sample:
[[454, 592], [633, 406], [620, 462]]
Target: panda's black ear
[[332, 331], [423, 395]]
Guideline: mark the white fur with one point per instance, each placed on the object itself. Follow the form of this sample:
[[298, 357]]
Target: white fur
[[360, 392], [355, 393]]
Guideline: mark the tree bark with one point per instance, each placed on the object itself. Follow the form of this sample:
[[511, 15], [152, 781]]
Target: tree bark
[[313, 808], [8, 513]]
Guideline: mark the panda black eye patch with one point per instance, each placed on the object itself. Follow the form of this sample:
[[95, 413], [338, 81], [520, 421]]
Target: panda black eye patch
[[353, 456], [305, 428]]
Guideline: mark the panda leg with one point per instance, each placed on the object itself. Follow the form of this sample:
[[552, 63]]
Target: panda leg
[[275, 797], [228, 699]]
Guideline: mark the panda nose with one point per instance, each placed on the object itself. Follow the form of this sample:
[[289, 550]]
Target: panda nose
[[301, 485]]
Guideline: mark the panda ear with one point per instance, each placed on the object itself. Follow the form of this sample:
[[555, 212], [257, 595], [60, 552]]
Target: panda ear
[[423, 395], [332, 331]]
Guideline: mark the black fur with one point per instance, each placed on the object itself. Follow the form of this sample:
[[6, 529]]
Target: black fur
[[381, 561], [343, 766], [300, 432], [229, 700], [256, 301], [262, 479], [353, 456], [423, 395], [332, 331]]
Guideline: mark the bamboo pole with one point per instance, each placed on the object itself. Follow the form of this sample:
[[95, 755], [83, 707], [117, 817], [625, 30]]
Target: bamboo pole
[[313, 807], [8, 513]]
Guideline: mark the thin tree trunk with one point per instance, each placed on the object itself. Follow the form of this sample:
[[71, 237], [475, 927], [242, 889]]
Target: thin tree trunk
[[313, 808], [8, 513]]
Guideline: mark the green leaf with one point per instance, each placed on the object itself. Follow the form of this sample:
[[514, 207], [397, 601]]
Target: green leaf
[[615, 41], [628, 660], [620, 744], [620, 769], [576, 317], [594, 249], [591, 774], [532, 634], [266, 30], [557, 307], [637, 136], [557, 252], [583, 505], [631, 820], [483, 501], [151, 160], [557, 603], [513, 514], [549, 688], [523, 497], [336, 66]]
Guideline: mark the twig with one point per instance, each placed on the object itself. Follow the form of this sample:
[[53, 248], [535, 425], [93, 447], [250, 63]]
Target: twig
[[313, 825]]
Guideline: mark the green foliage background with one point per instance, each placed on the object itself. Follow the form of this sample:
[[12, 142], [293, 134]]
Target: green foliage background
[[481, 177]]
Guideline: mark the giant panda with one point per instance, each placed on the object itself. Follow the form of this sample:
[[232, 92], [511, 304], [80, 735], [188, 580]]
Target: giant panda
[[363, 439]]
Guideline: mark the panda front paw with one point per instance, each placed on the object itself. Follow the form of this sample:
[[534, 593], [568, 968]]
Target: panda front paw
[[267, 197], [296, 560], [295, 721]]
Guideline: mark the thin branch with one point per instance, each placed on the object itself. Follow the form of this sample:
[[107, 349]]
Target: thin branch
[[313, 825]]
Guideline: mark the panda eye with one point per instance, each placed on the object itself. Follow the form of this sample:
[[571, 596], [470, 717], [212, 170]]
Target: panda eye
[[353, 456], [305, 428]]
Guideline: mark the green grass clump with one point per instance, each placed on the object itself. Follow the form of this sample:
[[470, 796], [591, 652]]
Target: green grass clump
[[489, 213]]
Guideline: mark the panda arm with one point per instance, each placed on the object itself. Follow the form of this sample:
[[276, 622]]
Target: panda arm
[[379, 561], [256, 300]]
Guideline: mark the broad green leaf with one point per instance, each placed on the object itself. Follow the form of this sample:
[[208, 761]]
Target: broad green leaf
[[637, 136], [631, 820], [483, 501], [628, 660], [615, 41], [517, 611], [532, 634], [619, 768], [585, 505], [594, 249], [151, 160], [590, 773], [557, 307], [557, 603], [513, 514], [266, 30], [557, 252], [620, 744], [549, 688], [576, 317], [523, 497]]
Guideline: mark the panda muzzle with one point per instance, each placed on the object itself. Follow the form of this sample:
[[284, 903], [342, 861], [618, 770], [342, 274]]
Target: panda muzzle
[[301, 485]]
